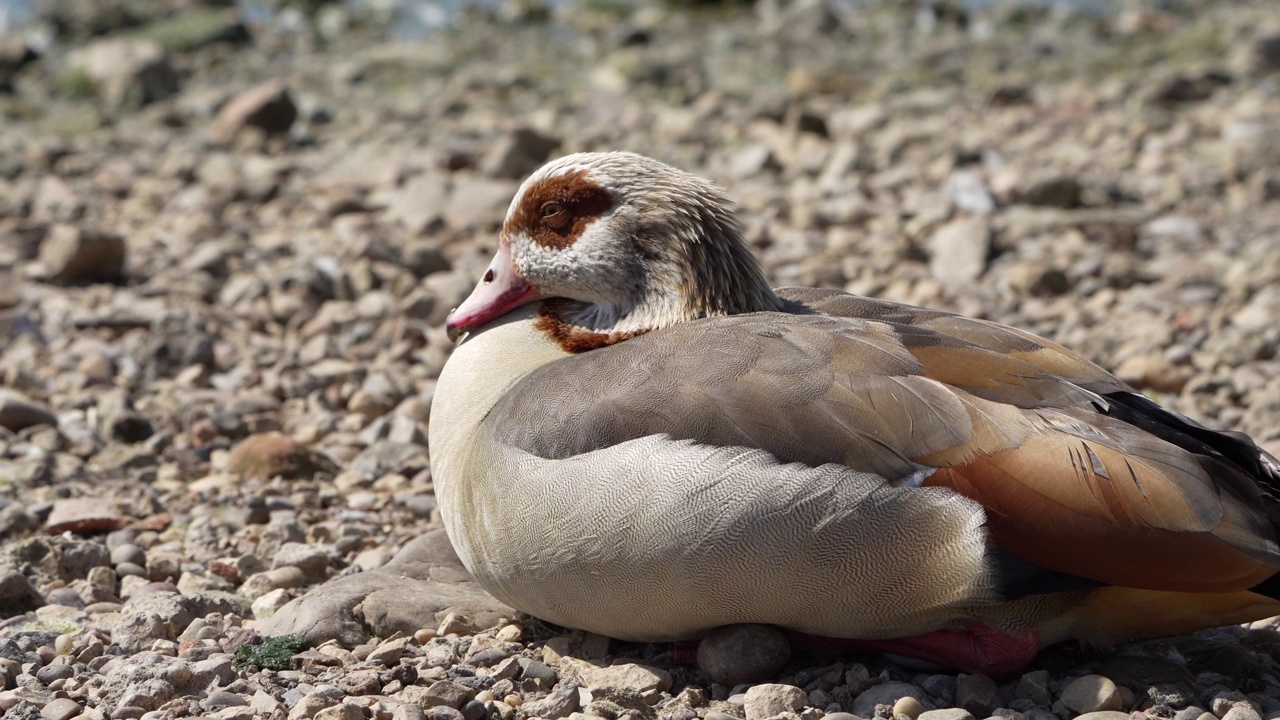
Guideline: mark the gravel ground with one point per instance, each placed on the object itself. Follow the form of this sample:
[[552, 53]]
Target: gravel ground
[[227, 250]]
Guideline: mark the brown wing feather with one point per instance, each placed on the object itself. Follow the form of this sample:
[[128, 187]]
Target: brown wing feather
[[1013, 421]]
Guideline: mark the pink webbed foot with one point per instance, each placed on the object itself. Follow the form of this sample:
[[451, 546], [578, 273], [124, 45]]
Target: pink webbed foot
[[974, 649]]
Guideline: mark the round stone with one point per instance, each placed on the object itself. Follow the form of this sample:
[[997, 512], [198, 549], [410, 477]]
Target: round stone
[[128, 553], [736, 654]]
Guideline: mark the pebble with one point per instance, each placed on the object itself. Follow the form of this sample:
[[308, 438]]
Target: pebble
[[1091, 693], [128, 553], [908, 706]]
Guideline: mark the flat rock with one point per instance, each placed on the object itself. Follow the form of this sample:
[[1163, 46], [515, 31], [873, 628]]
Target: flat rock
[[418, 588], [84, 515]]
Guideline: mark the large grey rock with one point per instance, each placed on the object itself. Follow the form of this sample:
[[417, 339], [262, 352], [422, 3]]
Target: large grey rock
[[418, 588]]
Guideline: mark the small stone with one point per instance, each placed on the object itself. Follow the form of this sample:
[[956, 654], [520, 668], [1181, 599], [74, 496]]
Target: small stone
[[442, 712], [71, 254], [313, 561], [1059, 192], [978, 694], [736, 654], [509, 633], [909, 707], [1103, 715], [268, 604], [557, 705], [266, 455], [1091, 693], [443, 692], [1034, 686], [128, 553], [770, 699], [83, 515], [267, 107], [60, 709], [49, 673], [18, 412], [958, 250]]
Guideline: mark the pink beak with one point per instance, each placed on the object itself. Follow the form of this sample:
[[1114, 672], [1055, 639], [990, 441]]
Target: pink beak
[[500, 291]]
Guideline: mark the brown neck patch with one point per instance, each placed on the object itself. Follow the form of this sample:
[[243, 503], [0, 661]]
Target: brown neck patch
[[573, 203], [573, 339]]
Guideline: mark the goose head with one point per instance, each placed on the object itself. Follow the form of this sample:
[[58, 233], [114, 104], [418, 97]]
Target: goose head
[[613, 245]]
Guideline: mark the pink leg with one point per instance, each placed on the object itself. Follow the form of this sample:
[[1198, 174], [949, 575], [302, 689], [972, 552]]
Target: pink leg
[[684, 652], [975, 649]]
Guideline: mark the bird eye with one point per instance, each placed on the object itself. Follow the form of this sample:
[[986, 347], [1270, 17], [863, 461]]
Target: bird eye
[[555, 214]]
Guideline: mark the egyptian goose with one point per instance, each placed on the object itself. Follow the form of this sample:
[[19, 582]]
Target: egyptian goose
[[638, 437]]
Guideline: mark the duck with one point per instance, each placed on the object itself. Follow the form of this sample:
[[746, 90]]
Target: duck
[[637, 436]]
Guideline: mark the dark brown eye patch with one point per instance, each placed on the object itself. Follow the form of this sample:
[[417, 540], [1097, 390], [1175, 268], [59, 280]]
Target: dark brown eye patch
[[555, 211]]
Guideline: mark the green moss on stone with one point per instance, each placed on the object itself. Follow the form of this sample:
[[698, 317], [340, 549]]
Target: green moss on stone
[[273, 653]]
